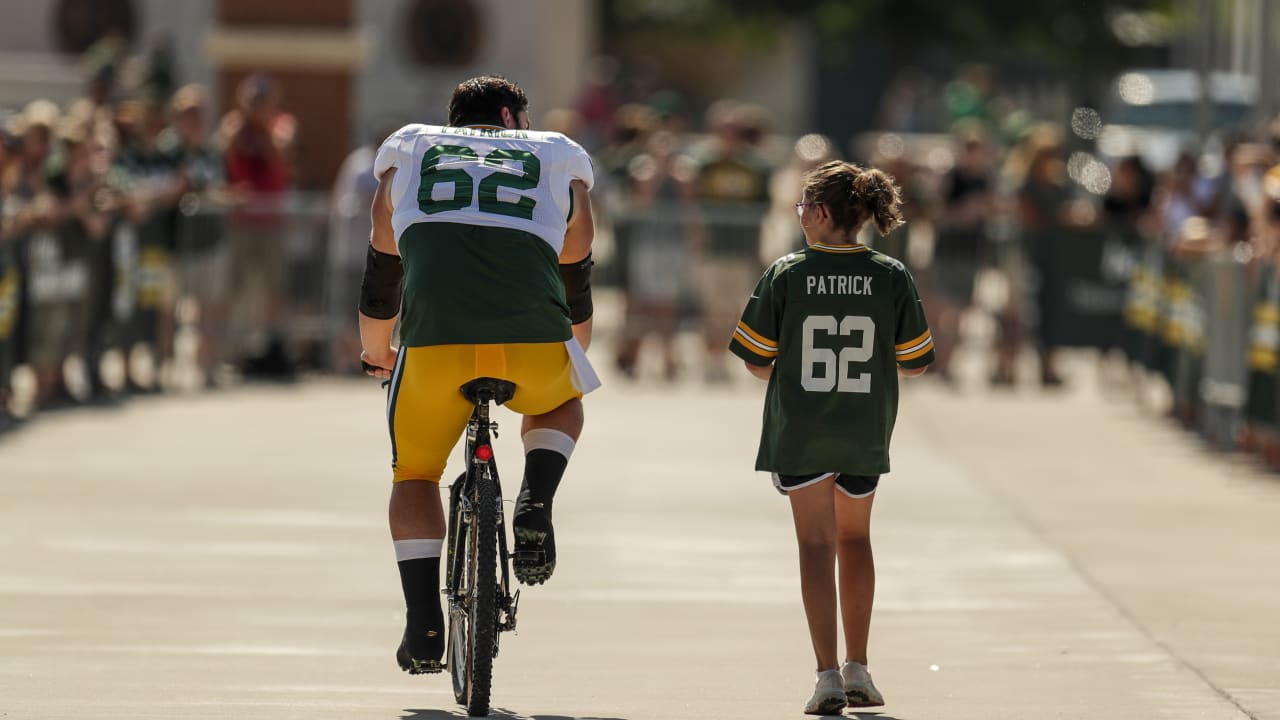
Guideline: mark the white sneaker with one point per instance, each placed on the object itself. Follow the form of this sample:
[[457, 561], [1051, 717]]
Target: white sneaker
[[858, 688], [828, 696]]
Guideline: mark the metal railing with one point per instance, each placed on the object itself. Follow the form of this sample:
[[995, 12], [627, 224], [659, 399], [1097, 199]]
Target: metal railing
[[271, 286]]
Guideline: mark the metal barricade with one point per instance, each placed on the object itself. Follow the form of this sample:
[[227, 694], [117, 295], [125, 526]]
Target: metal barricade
[[684, 266], [202, 287], [131, 308], [348, 242], [255, 278], [58, 297], [1168, 338], [1093, 270], [127, 330], [1261, 408], [267, 286], [1184, 336], [1142, 308], [1225, 291], [153, 282], [10, 289]]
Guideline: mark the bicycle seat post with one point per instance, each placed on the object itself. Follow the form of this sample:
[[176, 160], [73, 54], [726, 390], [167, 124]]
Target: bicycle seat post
[[482, 406], [482, 391]]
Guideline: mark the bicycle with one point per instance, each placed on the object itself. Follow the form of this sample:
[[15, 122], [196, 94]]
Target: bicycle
[[481, 604]]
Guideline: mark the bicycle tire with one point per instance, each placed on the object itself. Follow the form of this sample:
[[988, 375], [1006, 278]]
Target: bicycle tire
[[483, 616]]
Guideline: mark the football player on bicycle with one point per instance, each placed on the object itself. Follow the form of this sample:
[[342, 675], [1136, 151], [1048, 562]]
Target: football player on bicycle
[[481, 244]]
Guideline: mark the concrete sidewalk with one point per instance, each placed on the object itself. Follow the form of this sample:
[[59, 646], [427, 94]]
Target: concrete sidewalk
[[1181, 542], [1039, 557]]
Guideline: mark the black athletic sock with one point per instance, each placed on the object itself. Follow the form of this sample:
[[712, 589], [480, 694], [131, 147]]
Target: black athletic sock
[[543, 470], [420, 580]]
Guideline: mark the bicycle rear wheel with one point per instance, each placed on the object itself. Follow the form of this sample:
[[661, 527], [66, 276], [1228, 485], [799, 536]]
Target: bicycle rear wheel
[[473, 625]]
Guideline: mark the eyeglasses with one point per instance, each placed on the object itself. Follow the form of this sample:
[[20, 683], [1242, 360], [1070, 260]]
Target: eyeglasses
[[800, 207]]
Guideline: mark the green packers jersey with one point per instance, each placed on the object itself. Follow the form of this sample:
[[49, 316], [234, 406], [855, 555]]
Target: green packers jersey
[[479, 215], [836, 321]]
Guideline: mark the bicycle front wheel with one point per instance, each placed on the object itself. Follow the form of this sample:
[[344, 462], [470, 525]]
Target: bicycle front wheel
[[474, 625]]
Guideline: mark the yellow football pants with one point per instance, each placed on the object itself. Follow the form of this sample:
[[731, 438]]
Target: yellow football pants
[[427, 413]]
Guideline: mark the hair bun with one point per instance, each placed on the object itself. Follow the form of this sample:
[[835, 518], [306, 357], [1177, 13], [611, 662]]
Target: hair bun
[[882, 196]]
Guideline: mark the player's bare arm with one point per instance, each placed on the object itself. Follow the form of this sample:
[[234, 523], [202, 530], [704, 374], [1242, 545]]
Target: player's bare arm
[[575, 258], [380, 290]]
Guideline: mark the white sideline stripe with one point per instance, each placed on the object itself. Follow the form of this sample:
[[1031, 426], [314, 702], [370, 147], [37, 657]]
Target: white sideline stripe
[[928, 339], [548, 439], [418, 548], [750, 340], [395, 383]]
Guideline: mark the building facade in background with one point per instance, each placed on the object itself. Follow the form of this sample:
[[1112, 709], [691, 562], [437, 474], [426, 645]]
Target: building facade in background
[[343, 67]]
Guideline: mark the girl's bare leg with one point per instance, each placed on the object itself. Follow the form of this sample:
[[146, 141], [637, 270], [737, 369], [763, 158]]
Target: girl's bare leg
[[857, 572], [813, 509]]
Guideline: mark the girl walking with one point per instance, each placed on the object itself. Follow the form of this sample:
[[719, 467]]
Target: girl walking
[[830, 328]]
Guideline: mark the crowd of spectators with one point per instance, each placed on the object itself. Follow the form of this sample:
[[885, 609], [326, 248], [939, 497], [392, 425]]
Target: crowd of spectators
[[136, 149], [692, 206], [1020, 220]]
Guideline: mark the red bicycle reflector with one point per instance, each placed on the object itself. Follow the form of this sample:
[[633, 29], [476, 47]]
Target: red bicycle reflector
[[484, 453]]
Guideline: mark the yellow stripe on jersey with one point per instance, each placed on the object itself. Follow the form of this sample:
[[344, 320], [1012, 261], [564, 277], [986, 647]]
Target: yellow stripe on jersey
[[839, 248], [760, 339], [912, 343], [749, 343], [918, 353], [916, 350]]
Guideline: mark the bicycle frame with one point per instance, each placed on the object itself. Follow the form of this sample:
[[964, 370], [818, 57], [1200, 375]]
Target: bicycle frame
[[478, 433], [475, 511]]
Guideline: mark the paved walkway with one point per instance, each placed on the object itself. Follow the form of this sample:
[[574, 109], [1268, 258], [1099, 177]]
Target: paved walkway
[[225, 556]]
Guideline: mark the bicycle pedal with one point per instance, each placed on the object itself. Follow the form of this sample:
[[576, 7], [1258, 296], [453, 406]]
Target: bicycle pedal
[[413, 666], [425, 667]]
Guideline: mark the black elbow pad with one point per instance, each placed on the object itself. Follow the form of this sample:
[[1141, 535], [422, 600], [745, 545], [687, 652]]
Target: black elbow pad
[[577, 289], [382, 285]]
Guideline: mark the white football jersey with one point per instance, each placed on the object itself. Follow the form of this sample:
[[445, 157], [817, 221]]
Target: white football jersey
[[482, 175]]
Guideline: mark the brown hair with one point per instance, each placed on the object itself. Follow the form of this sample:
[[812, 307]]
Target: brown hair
[[480, 101], [854, 195]]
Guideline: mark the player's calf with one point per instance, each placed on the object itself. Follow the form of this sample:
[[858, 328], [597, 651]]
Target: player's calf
[[547, 454], [422, 646]]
